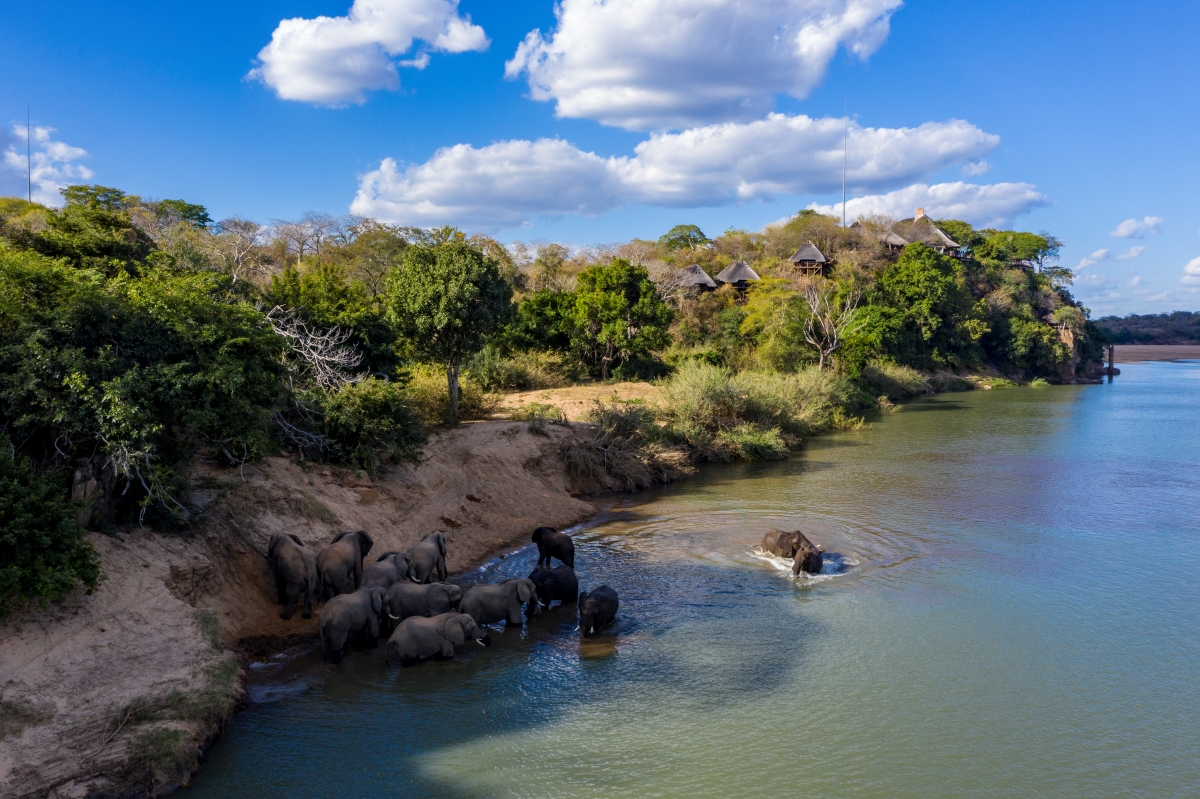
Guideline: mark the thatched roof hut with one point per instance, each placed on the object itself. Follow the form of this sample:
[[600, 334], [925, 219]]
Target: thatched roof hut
[[887, 238], [738, 273], [923, 229], [693, 276], [809, 259]]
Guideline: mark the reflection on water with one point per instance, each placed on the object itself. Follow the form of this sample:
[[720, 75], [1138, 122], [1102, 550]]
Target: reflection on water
[[1009, 610]]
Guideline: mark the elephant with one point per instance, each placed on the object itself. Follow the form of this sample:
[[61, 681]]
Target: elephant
[[347, 616], [596, 609], [407, 599], [784, 543], [488, 604], [552, 543], [558, 583], [809, 560], [419, 637], [295, 568], [340, 563], [388, 568], [428, 557]]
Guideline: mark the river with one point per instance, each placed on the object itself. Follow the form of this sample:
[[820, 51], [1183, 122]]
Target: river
[[1014, 614]]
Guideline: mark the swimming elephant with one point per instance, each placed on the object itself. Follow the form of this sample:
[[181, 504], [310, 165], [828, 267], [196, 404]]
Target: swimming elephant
[[785, 543], [348, 616], [428, 558], [558, 583], [407, 599], [339, 565], [419, 637], [597, 609], [488, 604], [295, 568], [389, 568], [552, 543], [809, 560]]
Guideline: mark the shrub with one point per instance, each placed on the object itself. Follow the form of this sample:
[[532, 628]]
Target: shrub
[[430, 398], [522, 371], [539, 415], [891, 380], [373, 417], [625, 451], [42, 553]]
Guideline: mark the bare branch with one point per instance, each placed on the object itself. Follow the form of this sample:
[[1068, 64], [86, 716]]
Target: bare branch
[[829, 321], [323, 354]]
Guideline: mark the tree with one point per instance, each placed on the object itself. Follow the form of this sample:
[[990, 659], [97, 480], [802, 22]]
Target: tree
[[447, 298], [683, 237], [619, 314], [830, 319], [241, 241]]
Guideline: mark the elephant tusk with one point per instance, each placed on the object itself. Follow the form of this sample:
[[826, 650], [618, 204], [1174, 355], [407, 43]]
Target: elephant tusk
[[481, 643], [576, 629], [390, 616]]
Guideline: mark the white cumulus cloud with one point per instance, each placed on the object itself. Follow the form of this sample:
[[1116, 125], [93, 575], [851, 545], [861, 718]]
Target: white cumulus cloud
[[505, 183], [1132, 284], [336, 60], [1191, 272], [1137, 228], [669, 64], [974, 168], [994, 205], [1134, 252], [1092, 259], [54, 164]]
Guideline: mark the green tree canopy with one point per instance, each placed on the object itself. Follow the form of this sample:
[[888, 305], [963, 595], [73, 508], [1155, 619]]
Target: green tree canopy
[[447, 298], [619, 314], [683, 237]]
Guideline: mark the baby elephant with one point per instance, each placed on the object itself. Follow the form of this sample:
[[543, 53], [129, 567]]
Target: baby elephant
[[409, 599], [552, 543], [809, 560], [389, 568], [488, 604], [418, 637], [785, 544], [596, 610], [558, 583], [295, 568], [347, 616]]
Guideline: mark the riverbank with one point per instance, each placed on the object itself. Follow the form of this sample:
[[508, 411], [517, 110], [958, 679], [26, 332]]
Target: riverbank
[[1135, 353], [118, 692]]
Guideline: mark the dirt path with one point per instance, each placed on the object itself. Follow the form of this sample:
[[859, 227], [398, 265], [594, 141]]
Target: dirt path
[[147, 649]]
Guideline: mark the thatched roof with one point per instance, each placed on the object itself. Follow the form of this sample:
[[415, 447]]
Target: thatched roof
[[737, 272], [922, 228], [888, 237], [693, 275], [809, 253]]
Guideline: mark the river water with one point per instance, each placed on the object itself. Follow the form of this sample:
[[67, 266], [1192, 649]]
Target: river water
[[1013, 613]]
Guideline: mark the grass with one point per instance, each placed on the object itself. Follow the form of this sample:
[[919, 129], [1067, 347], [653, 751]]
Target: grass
[[522, 371], [538, 415], [209, 624], [430, 396], [313, 508], [16, 716], [162, 755], [893, 381], [626, 451]]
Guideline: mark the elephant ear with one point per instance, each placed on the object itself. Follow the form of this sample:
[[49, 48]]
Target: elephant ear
[[338, 537], [582, 596], [441, 539], [276, 540], [377, 601], [454, 632], [524, 590], [295, 538], [364, 542]]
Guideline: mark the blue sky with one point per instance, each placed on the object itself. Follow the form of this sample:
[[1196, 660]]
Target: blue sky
[[1057, 116]]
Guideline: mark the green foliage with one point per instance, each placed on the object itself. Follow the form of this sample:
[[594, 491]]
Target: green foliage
[[195, 215], [893, 380], [619, 314], [374, 416], [325, 296], [1180, 327], [426, 391], [544, 319], [162, 755], [520, 371], [683, 237], [43, 555], [448, 299]]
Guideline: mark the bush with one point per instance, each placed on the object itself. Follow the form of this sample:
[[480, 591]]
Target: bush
[[430, 397], [522, 371], [891, 380], [373, 417], [43, 555], [625, 451], [539, 415]]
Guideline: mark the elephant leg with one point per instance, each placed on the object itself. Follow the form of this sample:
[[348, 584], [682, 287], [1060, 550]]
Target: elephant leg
[[288, 606], [441, 569], [570, 561], [447, 649], [308, 602], [514, 614], [280, 590]]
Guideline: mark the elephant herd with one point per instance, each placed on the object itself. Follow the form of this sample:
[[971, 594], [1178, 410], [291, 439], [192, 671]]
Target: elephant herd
[[398, 595]]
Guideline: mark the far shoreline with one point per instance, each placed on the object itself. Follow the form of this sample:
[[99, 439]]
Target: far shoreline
[[1140, 353]]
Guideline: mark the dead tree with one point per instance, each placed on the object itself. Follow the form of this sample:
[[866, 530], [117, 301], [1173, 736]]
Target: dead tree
[[829, 320]]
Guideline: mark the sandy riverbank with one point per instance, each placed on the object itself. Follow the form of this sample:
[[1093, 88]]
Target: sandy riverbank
[[1132, 353], [175, 608]]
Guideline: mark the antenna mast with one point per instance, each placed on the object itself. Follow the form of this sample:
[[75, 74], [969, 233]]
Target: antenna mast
[[845, 155], [28, 159]]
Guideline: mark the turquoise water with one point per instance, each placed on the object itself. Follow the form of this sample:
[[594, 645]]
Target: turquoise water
[[1015, 615]]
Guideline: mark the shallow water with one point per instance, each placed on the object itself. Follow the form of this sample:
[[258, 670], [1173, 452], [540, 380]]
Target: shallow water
[[1015, 614]]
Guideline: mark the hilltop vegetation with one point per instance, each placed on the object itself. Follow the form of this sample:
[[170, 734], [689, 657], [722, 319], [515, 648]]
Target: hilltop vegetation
[[1180, 327], [138, 334]]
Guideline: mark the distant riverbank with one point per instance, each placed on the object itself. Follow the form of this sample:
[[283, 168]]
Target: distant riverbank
[[1132, 353]]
